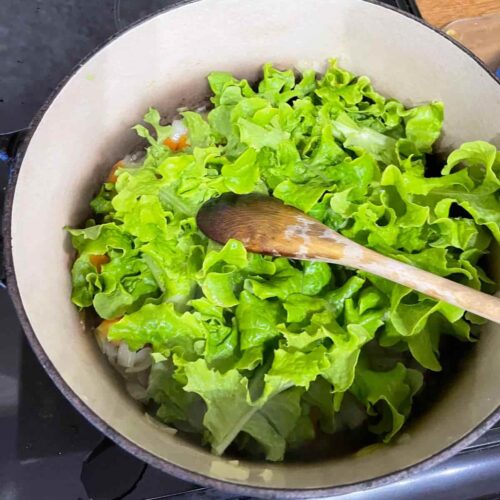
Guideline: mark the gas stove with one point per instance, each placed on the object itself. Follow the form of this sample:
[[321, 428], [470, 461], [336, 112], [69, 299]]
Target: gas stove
[[47, 450]]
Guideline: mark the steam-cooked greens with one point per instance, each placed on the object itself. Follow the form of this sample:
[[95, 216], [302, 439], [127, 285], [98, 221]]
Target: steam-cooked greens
[[265, 352]]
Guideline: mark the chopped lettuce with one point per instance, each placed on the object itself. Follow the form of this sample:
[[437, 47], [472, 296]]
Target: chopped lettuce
[[263, 353]]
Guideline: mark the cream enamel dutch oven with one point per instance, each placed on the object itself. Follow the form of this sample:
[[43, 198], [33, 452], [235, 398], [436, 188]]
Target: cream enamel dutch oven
[[163, 62]]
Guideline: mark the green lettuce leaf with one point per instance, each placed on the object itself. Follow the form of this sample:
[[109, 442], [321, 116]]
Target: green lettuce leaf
[[162, 327], [266, 353], [257, 320], [388, 395], [226, 398], [272, 424]]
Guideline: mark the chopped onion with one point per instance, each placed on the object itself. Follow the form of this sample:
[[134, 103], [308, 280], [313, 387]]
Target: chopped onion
[[137, 391], [126, 357], [142, 361], [143, 377], [134, 159], [178, 130], [110, 350]]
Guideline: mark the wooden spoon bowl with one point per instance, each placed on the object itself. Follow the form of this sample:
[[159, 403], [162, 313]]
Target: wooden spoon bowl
[[267, 226]]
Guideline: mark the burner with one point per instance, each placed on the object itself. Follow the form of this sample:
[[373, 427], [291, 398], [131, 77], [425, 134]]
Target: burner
[[48, 450], [40, 43], [127, 12]]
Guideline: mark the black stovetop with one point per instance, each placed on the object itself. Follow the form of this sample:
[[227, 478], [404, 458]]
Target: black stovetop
[[47, 450]]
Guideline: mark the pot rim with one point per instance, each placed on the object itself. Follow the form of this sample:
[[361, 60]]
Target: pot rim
[[118, 438]]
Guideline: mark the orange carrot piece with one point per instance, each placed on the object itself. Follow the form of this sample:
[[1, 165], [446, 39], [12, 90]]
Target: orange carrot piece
[[112, 177], [170, 143], [182, 142], [176, 145], [103, 329], [98, 261]]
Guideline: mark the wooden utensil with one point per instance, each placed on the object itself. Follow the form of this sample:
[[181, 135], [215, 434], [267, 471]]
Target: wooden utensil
[[265, 225]]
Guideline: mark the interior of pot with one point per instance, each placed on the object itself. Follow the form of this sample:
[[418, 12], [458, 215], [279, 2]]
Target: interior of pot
[[163, 62]]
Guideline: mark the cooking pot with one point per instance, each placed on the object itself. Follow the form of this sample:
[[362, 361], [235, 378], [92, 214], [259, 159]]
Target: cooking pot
[[163, 62]]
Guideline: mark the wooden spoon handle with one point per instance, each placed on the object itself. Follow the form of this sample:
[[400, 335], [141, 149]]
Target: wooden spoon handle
[[357, 256]]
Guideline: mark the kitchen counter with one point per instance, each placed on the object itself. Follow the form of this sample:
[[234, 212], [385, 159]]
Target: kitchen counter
[[442, 12], [479, 34]]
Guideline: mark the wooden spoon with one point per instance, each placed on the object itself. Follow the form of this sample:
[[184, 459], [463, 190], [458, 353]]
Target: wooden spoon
[[265, 225]]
